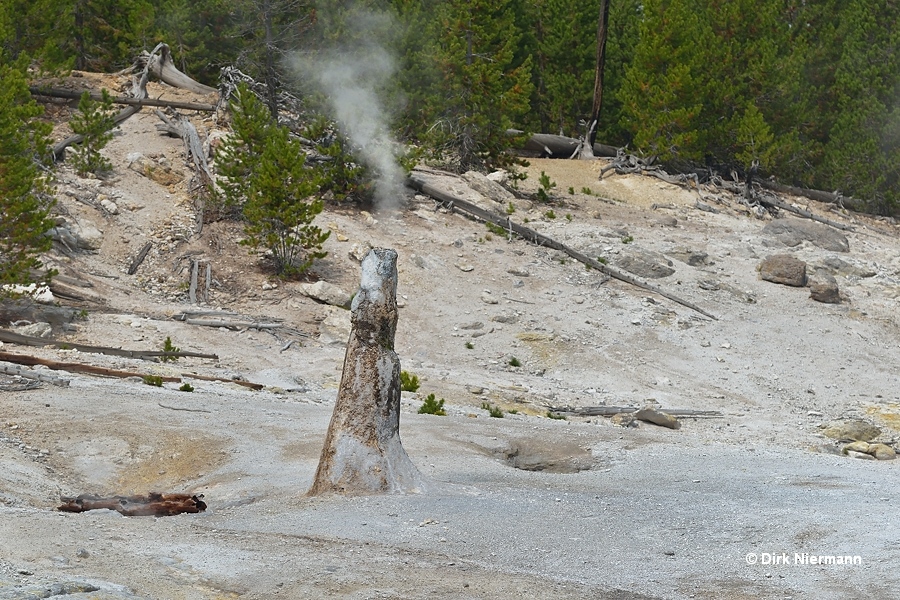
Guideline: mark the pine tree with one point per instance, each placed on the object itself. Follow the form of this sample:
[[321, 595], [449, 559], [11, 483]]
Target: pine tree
[[94, 122], [265, 174], [24, 197], [484, 90], [862, 153]]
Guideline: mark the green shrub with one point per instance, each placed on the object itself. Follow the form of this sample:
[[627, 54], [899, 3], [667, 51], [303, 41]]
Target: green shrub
[[544, 187], [627, 239], [154, 380], [587, 190], [408, 382], [264, 173], [510, 208], [515, 362], [550, 214], [432, 407], [470, 345], [494, 411], [25, 194], [186, 387], [94, 122], [168, 346], [555, 416]]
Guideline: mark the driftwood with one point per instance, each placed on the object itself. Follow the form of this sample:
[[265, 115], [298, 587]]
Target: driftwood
[[233, 324], [139, 258], [506, 223], [74, 367], [139, 102], [608, 411], [27, 340], [818, 195], [772, 202], [558, 146], [153, 504], [161, 65], [20, 372], [204, 183]]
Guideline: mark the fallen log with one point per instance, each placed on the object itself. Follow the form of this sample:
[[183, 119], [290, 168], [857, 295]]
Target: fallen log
[[20, 372], [232, 324], [162, 66], [138, 102], [817, 195], [22, 359], [153, 504], [241, 382], [558, 146], [139, 258], [506, 223], [608, 411], [27, 340]]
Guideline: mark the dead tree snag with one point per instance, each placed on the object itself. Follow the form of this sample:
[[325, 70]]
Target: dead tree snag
[[362, 452]]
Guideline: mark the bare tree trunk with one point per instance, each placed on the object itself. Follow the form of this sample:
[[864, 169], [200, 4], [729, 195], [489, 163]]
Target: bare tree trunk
[[362, 452], [602, 28]]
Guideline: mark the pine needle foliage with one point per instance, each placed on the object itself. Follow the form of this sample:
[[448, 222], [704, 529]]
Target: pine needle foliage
[[265, 176], [24, 191], [94, 121]]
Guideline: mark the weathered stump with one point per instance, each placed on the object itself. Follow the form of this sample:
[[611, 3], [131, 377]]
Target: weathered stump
[[362, 452]]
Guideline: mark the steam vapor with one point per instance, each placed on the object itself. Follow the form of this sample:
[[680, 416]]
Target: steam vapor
[[350, 79]]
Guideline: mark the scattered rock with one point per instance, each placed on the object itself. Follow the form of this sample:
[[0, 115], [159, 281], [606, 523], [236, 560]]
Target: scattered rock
[[41, 330], [694, 258], [882, 452], [87, 237], [623, 420], [153, 170], [358, 252], [657, 417], [842, 267], [335, 327], [472, 325], [519, 272], [484, 185], [475, 389], [327, 293], [783, 269], [824, 288], [853, 429], [109, 206], [792, 232], [508, 317], [488, 298], [645, 263], [856, 447], [862, 455], [465, 267]]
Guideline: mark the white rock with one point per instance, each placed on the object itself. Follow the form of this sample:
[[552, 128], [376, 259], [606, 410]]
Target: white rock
[[326, 292]]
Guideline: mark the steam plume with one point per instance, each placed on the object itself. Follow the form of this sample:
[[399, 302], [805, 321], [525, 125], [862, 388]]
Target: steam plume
[[350, 78]]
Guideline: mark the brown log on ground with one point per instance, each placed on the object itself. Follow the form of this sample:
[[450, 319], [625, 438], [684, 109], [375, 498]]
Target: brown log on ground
[[22, 359], [153, 504], [362, 452], [542, 240], [139, 102], [27, 340]]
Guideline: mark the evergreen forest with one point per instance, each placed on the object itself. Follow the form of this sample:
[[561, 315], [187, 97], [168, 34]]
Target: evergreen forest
[[807, 90]]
